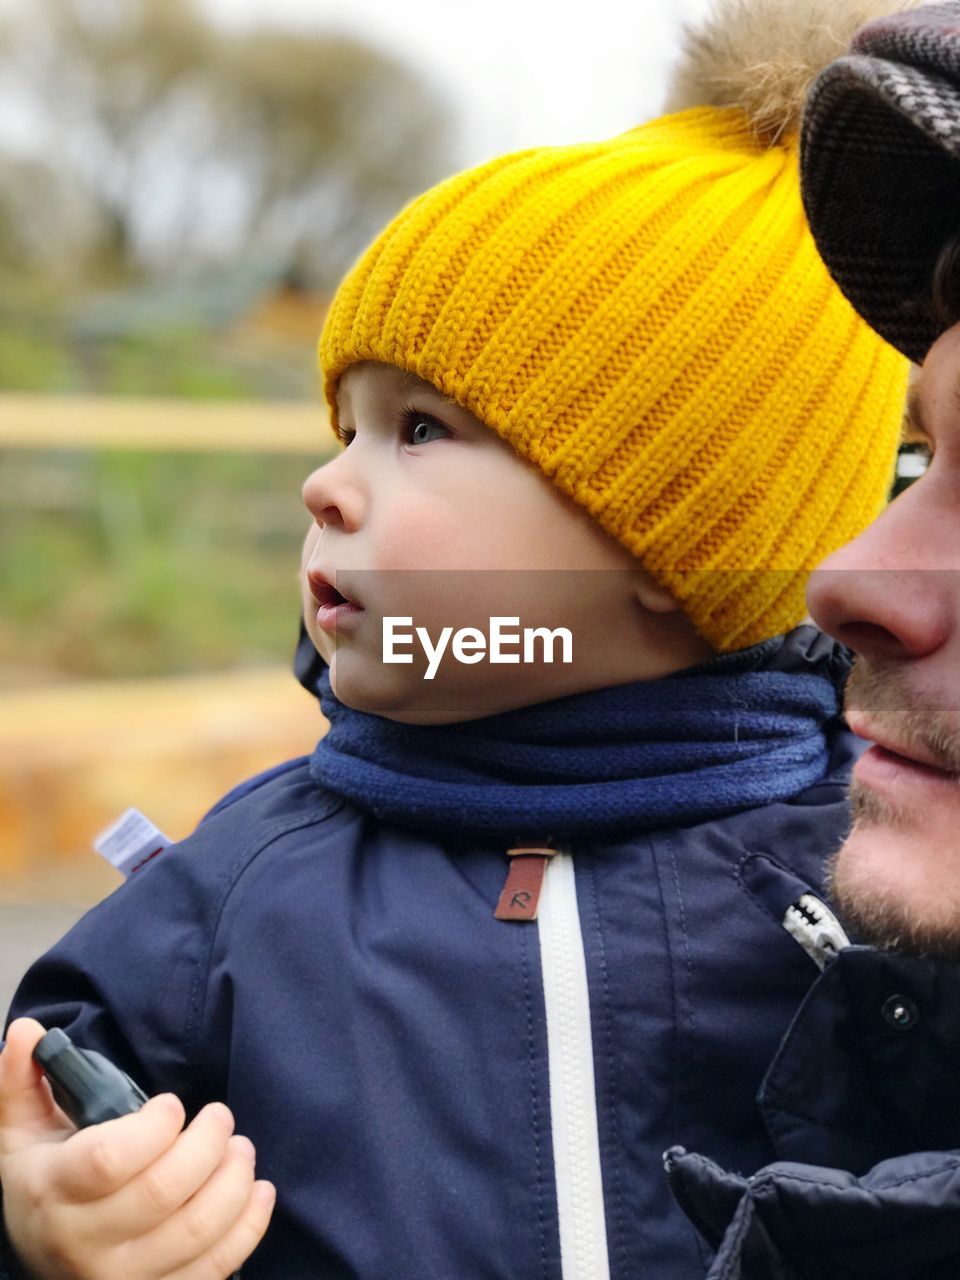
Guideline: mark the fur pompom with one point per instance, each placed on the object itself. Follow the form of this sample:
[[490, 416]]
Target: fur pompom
[[763, 55]]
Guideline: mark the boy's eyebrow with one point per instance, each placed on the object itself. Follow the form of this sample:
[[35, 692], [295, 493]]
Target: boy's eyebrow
[[421, 384]]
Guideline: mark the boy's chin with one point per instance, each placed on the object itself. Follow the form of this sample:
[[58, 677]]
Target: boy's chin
[[456, 694], [396, 693], [897, 885]]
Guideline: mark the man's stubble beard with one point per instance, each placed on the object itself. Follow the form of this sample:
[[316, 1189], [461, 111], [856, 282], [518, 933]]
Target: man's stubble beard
[[874, 910], [871, 915]]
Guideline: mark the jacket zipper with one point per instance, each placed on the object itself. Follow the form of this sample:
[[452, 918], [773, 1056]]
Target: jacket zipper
[[573, 1102]]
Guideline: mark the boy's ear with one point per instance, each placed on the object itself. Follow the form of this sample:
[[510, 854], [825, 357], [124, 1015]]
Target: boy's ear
[[651, 596]]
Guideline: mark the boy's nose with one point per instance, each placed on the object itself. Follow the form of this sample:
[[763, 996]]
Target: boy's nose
[[332, 498], [873, 596]]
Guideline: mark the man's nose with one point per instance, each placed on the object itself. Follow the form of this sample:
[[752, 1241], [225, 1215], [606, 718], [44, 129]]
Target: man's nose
[[875, 595], [334, 496]]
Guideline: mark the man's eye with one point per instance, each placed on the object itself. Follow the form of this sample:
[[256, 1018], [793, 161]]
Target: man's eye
[[421, 429]]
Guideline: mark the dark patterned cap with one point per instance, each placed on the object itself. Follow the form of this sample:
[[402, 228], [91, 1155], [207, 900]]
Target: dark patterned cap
[[880, 167]]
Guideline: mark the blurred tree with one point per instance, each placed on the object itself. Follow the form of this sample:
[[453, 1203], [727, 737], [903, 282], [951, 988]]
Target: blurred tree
[[331, 138], [160, 142], [46, 220]]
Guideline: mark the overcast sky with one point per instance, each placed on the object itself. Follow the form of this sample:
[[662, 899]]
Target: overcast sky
[[518, 72], [522, 72]]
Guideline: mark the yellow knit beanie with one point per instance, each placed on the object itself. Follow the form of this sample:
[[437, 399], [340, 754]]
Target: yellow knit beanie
[[647, 321]]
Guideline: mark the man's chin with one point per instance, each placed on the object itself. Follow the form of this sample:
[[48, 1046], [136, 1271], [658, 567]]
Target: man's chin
[[896, 880]]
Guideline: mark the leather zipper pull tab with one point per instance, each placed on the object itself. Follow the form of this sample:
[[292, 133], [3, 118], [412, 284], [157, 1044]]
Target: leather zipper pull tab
[[520, 897]]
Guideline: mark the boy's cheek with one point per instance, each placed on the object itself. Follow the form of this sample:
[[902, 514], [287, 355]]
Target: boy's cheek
[[419, 532], [322, 640], [309, 542]]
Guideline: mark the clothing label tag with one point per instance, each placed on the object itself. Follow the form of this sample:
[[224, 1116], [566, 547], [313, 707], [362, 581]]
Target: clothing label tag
[[520, 897], [131, 841]]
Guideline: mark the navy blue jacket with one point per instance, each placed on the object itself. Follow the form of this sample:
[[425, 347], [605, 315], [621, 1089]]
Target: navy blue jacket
[[345, 988], [862, 1105]]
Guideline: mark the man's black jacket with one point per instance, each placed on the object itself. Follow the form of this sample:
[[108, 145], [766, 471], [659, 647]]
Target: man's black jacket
[[862, 1103]]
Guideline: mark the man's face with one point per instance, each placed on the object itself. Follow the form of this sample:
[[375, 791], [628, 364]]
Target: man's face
[[429, 514], [893, 596]]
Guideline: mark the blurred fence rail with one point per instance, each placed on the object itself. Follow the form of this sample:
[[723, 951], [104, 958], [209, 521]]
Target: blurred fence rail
[[75, 754], [34, 421]]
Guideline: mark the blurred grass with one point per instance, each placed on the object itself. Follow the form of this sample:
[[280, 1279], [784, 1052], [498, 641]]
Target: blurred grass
[[40, 352], [174, 366], [125, 563], [32, 360]]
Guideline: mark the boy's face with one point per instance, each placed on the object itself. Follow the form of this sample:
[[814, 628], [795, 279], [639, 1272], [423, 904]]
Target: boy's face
[[430, 515]]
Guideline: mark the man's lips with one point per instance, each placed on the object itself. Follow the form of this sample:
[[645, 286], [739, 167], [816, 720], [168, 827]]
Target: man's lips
[[891, 762], [911, 752]]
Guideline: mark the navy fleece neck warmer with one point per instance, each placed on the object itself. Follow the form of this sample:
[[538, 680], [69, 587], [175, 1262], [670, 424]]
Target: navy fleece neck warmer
[[744, 730]]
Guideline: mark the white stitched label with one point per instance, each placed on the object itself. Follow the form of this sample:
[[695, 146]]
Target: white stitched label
[[131, 841]]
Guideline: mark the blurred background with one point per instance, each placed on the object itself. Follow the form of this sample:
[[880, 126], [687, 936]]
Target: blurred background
[[182, 183]]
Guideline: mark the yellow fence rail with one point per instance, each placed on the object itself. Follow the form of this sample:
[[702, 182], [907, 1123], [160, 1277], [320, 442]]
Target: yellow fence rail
[[207, 426]]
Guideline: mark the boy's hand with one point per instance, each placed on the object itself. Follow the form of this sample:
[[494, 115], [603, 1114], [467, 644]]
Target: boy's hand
[[138, 1197]]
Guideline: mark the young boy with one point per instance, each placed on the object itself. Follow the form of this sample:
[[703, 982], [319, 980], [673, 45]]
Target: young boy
[[516, 926]]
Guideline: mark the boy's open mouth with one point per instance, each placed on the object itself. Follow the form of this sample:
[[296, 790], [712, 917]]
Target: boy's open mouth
[[323, 591], [333, 607]]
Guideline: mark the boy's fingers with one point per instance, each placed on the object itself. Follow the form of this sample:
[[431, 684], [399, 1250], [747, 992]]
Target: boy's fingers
[[207, 1218], [150, 1197], [230, 1253], [103, 1158], [23, 1036], [26, 1104]]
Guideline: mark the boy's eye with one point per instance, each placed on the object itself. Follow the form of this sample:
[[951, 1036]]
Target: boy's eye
[[417, 428], [421, 429]]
